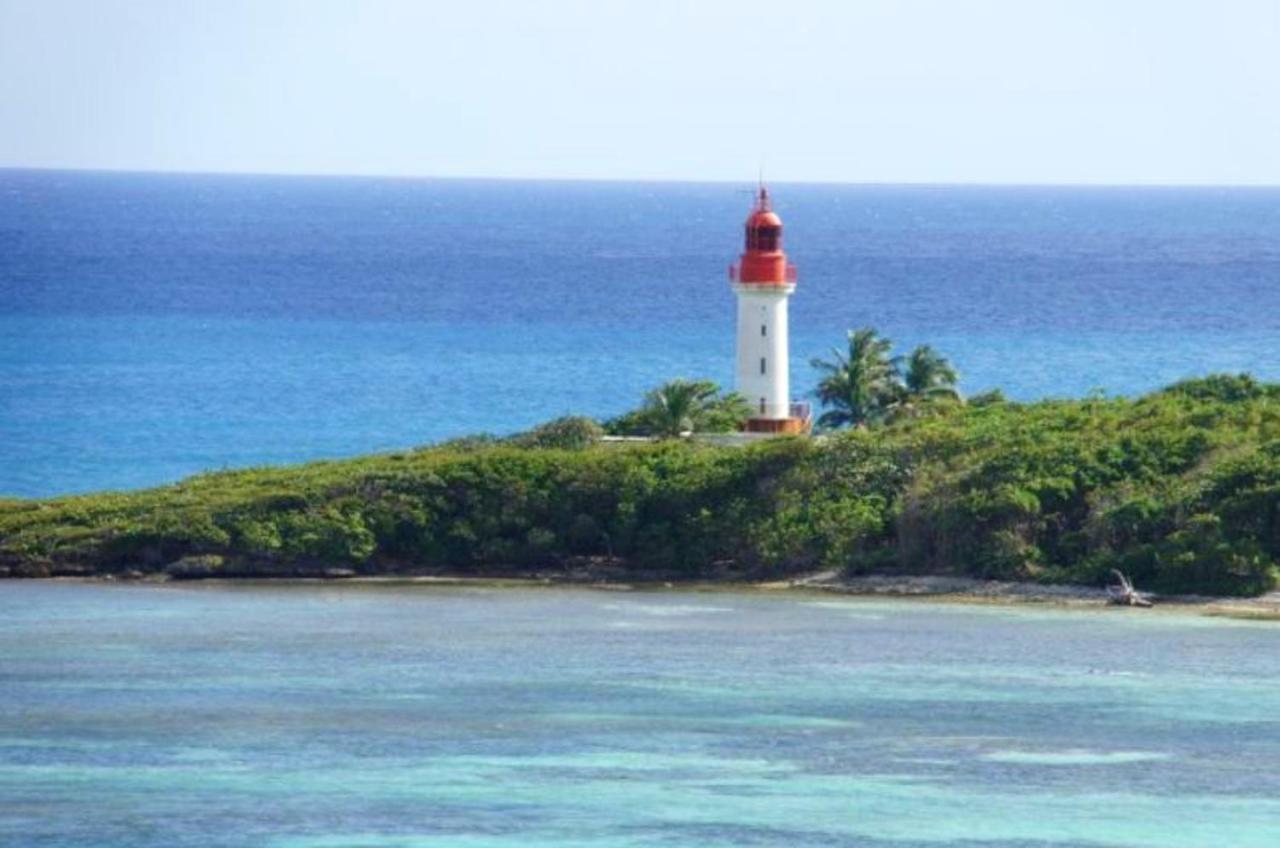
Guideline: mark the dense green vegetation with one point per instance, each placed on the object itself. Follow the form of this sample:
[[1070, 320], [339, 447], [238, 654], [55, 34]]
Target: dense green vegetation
[[1181, 489]]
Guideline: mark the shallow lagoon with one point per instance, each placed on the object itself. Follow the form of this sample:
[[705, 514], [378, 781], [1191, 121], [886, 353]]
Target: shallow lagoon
[[344, 715]]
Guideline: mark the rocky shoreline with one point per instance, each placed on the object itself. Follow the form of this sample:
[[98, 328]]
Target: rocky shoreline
[[912, 587]]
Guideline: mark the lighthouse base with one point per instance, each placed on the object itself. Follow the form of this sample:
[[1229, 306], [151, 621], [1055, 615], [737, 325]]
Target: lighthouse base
[[778, 426]]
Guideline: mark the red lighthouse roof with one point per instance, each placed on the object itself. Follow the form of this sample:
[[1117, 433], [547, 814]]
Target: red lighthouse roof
[[763, 261], [762, 214]]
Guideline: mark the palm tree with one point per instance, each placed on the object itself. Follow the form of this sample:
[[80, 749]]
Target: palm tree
[[860, 385], [687, 406], [929, 376], [927, 381]]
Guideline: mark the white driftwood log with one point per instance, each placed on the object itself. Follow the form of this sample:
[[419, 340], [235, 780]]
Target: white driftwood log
[[1123, 593]]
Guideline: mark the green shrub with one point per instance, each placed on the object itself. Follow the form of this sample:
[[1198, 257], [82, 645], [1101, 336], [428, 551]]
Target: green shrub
[[569, 433]]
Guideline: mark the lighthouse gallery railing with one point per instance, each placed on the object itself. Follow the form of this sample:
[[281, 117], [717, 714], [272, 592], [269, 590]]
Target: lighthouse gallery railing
[[796, 409], [735, 273]]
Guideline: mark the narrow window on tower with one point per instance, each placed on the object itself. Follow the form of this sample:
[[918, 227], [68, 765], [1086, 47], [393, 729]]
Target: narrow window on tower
[[764, 329], [762, 365]]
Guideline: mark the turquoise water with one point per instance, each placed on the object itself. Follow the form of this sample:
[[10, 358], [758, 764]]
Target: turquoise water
[[357, 716], [158, 325]]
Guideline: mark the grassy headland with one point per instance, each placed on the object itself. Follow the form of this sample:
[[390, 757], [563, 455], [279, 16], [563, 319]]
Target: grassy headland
[[1180, 489]]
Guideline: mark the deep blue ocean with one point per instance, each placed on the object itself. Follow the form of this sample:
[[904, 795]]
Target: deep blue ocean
[[153, 326]]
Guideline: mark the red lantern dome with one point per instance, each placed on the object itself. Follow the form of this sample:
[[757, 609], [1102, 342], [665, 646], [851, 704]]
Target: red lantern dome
[[763, 262]]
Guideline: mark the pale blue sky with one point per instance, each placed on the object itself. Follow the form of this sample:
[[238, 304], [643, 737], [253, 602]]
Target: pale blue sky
[[1079, 91]]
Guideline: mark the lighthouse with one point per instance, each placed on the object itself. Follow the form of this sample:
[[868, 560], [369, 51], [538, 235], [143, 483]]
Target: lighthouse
[[763, 280]]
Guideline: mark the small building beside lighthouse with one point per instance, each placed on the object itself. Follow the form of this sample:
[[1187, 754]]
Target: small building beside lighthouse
[[763, 281]]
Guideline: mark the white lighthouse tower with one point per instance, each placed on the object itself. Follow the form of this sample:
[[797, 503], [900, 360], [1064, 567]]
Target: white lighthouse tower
[[763, 281]]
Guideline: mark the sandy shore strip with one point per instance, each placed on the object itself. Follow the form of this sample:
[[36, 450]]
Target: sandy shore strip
[[923, 588], [973, 590]]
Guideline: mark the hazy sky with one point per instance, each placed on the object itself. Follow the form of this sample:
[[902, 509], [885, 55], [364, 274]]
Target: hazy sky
[[1080, 91]]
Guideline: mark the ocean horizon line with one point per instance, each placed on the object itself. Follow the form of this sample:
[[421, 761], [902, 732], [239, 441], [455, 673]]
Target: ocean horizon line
[[675, 181]]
